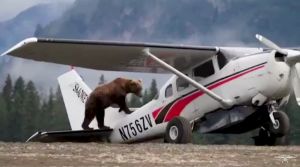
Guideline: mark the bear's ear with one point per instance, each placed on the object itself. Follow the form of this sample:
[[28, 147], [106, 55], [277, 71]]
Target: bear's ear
[[140, 80], [132, 81]]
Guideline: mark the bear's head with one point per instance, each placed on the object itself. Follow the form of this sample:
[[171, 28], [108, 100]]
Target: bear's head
[[135, 87]]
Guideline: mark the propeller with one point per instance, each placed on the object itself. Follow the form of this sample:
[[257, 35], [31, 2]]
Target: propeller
[[291, 59]]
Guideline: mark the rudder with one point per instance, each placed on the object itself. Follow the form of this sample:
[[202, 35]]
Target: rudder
[[75, 92]]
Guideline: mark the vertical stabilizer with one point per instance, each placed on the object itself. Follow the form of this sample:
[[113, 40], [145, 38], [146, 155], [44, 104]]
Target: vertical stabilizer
[[74, 92]]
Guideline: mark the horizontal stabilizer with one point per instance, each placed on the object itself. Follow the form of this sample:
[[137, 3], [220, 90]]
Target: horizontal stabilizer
[[71, 136]]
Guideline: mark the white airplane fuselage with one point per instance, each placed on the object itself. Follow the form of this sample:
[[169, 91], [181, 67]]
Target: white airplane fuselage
[[240, 80], [228, 90]]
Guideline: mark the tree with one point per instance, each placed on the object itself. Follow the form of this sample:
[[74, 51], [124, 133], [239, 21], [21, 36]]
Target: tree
[[101, 80], [145, 97], [32, 111], [49, 112], [15, 120], [42, 125], [7, 92], [292, 110], [153, 90], [3, 120], [19, 88], [38, 30], [61, 121], [135, 102]]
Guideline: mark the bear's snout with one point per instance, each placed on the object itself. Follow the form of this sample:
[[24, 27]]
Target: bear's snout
[[139, 94]]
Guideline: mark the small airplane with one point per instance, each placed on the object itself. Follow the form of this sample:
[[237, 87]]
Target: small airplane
[[228, 90]]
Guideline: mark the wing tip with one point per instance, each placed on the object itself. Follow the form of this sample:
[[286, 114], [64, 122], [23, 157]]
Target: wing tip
[[20, 44]]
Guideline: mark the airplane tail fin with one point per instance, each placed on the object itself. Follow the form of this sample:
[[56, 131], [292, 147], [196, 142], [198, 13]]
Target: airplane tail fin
[[74, 92]]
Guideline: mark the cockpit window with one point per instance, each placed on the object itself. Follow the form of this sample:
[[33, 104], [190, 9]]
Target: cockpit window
[[222, 61], [169, 91], [181, 84], [204, 70]]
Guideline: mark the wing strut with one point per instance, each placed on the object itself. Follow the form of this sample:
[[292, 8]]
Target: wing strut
[[225, 103]]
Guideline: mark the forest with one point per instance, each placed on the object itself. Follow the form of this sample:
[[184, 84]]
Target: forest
[[24, 110]]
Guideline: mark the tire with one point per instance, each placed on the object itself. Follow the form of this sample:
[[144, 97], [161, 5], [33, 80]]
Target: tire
[[277, 141], [262, 138], [280, 141], [183, 128], [284, 124]]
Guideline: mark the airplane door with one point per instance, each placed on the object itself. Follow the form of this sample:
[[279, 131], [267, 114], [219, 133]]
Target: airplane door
[[182, 90], [169, 95]]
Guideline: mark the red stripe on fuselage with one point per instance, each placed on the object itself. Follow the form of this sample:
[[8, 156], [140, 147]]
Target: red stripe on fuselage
[[178, 107], [155, 113]]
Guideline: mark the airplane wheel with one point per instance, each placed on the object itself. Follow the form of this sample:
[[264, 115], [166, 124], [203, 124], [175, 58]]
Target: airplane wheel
[[278, 141], [264, 139], [178, 131], [282, 126]]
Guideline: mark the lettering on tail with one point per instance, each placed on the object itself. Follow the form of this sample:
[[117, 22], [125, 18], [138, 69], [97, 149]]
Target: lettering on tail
[[80, 93]]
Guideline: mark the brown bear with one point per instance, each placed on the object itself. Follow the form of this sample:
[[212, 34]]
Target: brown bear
[[105, 95]]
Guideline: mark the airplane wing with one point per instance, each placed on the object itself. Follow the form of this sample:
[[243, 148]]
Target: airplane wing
[[110, 56]]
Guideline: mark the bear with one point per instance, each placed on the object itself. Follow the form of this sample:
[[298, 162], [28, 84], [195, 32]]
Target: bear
[[107, 94]]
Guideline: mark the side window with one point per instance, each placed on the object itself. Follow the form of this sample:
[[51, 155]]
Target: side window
[[204, 70], [222, 61], [181, 84], [169, 91]]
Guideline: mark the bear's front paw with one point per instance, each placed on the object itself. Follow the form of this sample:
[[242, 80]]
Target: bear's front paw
[[120, 110], [129, 112]]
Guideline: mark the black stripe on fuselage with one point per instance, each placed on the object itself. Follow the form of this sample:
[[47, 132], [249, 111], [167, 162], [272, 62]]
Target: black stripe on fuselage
[[162, 114]]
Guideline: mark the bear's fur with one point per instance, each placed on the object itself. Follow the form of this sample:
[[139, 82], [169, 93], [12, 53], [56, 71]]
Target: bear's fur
[[105, 95]]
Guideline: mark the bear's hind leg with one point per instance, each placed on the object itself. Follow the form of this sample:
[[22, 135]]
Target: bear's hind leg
[[88, 117], [100, 118]]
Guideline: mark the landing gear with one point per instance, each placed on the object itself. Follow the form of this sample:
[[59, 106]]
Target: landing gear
[[266, 138], [281, 126], [178, 131], [274, 132]]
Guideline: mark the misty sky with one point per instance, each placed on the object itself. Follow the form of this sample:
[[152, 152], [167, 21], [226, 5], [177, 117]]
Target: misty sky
[[46, 74], [10, 8]]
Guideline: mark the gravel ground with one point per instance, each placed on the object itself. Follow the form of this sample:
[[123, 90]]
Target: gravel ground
[[146, 155]]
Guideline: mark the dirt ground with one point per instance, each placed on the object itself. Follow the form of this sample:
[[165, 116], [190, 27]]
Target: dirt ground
[[146, 155]]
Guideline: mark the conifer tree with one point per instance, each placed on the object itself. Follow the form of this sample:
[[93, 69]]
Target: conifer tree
[[7, 92], [49, 113], [145, 97], [3, 120], [292, 110], [101, 80], [135, 101], [31, 111], [17, 109], [152, 90], [61, 121]]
